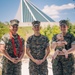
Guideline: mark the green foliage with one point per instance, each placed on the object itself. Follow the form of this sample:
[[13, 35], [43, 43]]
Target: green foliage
[[55, 30], [50, 31], [25, 32], [72, 29], [3, 29]]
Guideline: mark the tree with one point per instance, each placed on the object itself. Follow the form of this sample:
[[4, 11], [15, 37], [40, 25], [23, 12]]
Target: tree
[[50, 31], [3, 29]]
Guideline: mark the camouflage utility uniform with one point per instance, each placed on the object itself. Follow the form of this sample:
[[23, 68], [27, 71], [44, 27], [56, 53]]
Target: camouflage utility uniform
[[8, 67], [37, 46], [62, 65]]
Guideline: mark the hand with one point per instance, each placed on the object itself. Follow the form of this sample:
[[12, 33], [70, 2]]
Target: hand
[[65, 43], [59, 43], [41, 61], [38, 62], [52, 56], [18, 60], [13, 60], [55, 54], [61, 53]]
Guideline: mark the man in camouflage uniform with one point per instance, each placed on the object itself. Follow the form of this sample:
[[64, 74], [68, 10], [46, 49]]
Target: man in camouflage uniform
[[62, 65], [12, 47], [37, 49]]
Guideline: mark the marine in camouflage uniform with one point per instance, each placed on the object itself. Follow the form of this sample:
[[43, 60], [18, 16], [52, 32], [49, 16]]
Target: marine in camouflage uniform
[[37, 46], [8, 67], [62, 65]]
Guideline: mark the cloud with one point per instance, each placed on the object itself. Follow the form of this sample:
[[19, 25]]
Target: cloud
[[54, 10]]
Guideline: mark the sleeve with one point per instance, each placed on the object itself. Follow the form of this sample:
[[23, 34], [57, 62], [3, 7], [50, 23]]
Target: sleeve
[[54, 38], [47, 41], [23, 42], [28, 42], [73, 40], [3, 40]]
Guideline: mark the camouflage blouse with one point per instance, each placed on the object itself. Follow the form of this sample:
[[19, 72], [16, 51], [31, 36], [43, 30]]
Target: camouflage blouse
[[69, 38], [37, 45], [8, 44]]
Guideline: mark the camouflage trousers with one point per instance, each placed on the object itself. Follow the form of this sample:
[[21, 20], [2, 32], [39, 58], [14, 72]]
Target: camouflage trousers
[[35, 69], [10, 68], [63, 66]]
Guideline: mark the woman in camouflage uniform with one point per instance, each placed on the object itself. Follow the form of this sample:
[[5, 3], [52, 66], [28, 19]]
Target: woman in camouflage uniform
[[62, 65], [12, 46], [37, 50]]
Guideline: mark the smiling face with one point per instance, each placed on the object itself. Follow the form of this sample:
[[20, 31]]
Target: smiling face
[[64, 28], [36, 28], [13, 29]]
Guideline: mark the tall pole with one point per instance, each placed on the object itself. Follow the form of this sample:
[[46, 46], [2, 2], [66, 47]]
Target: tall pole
[[21, 10]]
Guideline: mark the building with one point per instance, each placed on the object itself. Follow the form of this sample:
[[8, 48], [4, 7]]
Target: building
[[28, 12]]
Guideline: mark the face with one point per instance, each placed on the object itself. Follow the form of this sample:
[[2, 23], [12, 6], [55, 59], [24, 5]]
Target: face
[[64, 28], [60, 37], [14, 28], [36, 28]]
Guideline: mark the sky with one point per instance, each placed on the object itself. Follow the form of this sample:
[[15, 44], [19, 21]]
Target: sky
[[56, 9]]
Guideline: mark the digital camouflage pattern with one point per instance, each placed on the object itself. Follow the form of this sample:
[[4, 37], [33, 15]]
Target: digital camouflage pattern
[[37, 46], [60, 48], [62, 65], [8, 67]]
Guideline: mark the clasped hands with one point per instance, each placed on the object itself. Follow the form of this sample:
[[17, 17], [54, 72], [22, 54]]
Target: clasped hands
[[15, 60], [38, 62]]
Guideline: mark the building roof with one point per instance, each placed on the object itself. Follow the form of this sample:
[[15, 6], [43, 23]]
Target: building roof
[[28, 12]]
